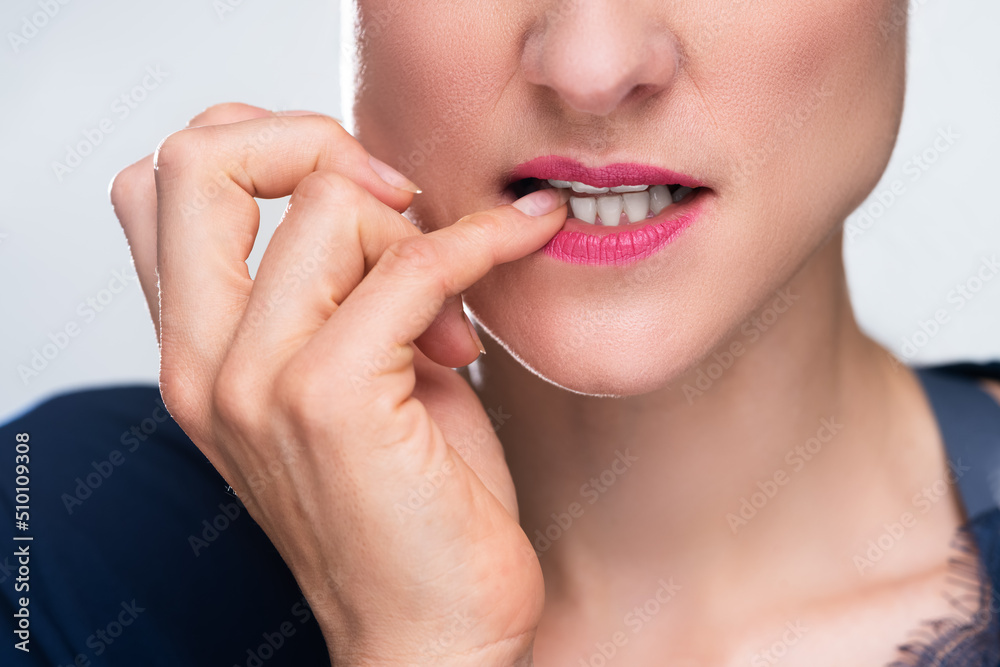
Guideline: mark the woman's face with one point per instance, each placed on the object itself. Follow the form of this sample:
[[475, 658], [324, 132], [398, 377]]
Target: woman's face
[[784, 113]]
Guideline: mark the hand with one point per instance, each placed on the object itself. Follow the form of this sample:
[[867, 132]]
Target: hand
[[322, 390]]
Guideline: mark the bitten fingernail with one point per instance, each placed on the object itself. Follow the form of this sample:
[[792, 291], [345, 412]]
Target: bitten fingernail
[[542, 202]]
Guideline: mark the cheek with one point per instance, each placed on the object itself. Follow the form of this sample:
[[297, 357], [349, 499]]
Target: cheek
[[806, 98], [796, 107], [804, 105], [432, 80]]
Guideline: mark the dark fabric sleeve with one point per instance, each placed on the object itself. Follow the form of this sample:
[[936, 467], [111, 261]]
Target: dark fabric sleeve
[[139, 554]]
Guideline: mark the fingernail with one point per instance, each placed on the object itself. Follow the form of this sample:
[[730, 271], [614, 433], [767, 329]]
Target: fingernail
[[542, 202], [392, 177], [475, 336]]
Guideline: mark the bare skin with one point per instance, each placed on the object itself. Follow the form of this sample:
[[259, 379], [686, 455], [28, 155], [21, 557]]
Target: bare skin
[[408, 505], [666, 517]]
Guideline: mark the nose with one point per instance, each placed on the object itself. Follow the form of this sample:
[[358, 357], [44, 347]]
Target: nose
[[599, 55]]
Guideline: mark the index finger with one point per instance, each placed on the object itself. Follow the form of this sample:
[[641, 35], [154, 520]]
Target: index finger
[[207, 220], [404, 292]]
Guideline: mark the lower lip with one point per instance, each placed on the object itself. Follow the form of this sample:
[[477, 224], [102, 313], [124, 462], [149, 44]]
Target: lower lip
[[595, 245]]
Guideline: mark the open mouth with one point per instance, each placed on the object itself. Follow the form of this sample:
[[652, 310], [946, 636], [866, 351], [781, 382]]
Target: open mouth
[[619, 213], [613, 206]]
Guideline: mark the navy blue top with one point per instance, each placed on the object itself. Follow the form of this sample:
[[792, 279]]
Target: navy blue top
[[140, 556], [969, 421]]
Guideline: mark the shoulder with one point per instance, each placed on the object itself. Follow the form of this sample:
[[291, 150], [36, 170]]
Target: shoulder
[[124, 510], [69, 430], [986, 375], [967, 412], [992, 387], [99, 407]]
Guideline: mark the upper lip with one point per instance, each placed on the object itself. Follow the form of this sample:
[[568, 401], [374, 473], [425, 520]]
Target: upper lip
[[612, 175]]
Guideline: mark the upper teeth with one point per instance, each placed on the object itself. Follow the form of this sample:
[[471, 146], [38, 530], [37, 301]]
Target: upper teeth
[[638, 202]]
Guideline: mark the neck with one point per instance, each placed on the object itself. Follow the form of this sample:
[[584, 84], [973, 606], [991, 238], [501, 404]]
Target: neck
[[764, 463]]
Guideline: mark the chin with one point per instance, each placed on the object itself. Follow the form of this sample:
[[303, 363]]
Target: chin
[[610, 351], [619, 373], [605, 381]]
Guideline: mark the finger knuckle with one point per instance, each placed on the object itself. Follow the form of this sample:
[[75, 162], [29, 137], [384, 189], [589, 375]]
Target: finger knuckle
[[301, 394], [177, 394], [229, 396], [412, 256], [224, 112], [486, 227], [339, 149], [327, 188], [332, 127], [177, 153], [127, 187]]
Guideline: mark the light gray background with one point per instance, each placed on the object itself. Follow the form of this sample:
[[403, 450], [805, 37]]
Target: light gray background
[[60, 243]]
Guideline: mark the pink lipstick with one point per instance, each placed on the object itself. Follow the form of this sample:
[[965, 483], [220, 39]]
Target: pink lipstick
[[622, 173], [619, 213]]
